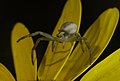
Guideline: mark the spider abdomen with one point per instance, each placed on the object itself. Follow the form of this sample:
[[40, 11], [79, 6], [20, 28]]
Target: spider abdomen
[[69, 27]]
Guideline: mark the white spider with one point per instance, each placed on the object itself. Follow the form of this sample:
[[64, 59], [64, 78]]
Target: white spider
[[67, 33]]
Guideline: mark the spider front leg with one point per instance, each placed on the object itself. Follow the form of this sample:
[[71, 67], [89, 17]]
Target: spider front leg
[[37, 33], [53, 45], [46, 37], [36, 44]]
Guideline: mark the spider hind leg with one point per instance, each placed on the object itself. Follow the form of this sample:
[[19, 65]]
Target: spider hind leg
[[89, 48]]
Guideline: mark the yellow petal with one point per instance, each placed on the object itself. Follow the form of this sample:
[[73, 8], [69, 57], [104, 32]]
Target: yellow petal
[[53, 62], [106, 70], [5, 75], [98, 35], [24, 68]]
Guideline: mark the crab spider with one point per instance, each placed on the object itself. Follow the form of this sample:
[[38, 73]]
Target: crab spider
[[67, 33]]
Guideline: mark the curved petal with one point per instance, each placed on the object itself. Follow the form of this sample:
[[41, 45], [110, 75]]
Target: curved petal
[[106, 70], [53, 62], [98, 35], [24, 68], [5, 75]]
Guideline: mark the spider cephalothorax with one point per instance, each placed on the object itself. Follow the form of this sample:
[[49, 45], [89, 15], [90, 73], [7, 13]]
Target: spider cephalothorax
[[67, 33]]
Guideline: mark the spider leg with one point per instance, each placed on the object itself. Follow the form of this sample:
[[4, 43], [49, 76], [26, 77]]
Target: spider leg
[[79, 38], [89, 48], [63, 44], [81, 44], [37, 33], [46, 37], [36, 44], [53, 45]]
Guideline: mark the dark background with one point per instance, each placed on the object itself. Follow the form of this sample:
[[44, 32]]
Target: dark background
[[43, 15]]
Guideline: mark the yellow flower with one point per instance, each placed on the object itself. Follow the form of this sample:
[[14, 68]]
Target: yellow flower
[[25, 71], [68, 63]]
